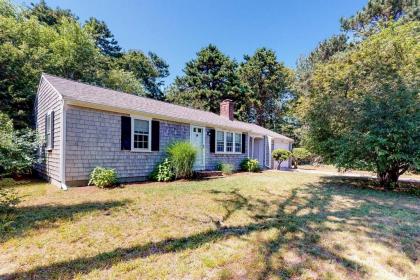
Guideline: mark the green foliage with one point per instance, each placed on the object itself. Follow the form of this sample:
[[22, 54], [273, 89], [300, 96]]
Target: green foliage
[[371, 95], [149, 69], [17, 149], [104, 39], [163, 172], [250, 165], [47, 15], [281, 155], [208, 79], [182, 157], [301, 154], [303, 81], [381, 12], [267, 81], [41, 39], [124, 81], [226, 168], [103, 177]]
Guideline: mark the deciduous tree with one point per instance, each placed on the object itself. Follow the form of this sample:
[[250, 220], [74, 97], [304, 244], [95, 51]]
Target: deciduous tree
[[363, 110]]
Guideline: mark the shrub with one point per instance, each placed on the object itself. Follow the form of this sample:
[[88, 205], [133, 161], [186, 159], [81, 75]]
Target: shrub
[[300, 155], [250, 165], [281, 155], [17, 149], [182, 157], [226, 168], [103, 177], [163, 171]]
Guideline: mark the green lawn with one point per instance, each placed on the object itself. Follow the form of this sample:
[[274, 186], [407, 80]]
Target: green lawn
[[272, 225]]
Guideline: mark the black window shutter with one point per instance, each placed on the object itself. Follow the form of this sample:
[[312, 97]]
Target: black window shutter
[[155, 135], [52, 129], [125, 133], [212, 140], [243, 143]]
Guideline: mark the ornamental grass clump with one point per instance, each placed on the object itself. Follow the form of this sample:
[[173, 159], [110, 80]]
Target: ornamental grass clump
[[103, 177], [226, 168], [182, 157]]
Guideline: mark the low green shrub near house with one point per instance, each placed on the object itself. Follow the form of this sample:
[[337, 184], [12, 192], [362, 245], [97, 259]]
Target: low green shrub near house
[[103, 177], [182, 157], [226, 168], [281, 155], [250, 165], [163, 171]]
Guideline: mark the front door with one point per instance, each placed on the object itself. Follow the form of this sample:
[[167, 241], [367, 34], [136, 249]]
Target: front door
[[197, 140]]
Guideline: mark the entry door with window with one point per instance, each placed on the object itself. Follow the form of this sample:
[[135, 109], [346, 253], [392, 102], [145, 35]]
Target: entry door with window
[[197, 140]]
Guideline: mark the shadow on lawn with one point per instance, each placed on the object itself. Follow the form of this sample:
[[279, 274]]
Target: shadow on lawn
[[44, 216], [299, 219]]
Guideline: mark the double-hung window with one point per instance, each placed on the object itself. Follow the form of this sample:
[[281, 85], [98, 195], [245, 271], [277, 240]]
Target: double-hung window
[[141, 135], [228, 142], [220, 139]]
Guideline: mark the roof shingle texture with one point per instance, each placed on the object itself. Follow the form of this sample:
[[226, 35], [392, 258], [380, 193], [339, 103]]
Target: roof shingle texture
[[72, 90]]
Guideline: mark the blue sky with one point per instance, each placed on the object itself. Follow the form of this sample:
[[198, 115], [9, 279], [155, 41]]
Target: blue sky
[[177, 29]]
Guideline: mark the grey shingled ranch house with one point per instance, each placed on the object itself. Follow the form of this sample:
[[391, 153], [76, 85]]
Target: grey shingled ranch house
[[83, 126]]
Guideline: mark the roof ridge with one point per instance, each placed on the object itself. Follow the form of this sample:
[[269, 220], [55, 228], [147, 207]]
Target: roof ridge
[[130, 94]]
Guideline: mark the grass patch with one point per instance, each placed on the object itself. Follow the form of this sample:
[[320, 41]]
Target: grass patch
[[245, 226]]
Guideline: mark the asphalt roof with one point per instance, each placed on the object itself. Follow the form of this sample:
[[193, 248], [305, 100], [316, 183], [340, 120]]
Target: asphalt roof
[[89, 94]]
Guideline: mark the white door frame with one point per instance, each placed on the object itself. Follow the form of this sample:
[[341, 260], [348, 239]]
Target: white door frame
[[203, 129]]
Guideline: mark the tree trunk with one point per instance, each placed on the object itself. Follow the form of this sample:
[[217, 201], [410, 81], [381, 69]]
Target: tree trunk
[[389, 179], [294, 163]]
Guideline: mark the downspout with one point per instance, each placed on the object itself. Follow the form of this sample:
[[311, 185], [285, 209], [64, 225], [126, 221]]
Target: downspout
[[62, 146]]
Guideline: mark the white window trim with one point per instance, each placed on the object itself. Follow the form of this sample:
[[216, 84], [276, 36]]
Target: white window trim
[[48, 136], [224, 141], [149, 144]]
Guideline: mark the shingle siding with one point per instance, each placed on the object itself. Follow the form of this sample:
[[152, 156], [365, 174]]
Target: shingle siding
[[212, 159], [94, 139], [49, 161]]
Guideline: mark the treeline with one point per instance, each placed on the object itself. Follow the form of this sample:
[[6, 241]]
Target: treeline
[[40, 39]]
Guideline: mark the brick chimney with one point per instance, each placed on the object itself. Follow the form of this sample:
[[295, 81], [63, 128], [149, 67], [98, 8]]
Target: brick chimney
[[226, 109]]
